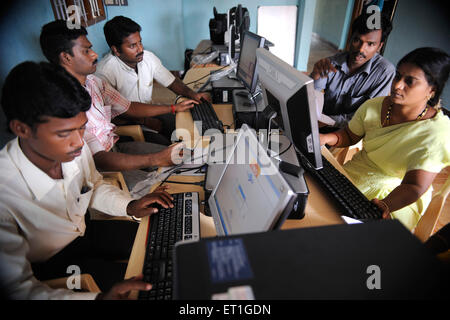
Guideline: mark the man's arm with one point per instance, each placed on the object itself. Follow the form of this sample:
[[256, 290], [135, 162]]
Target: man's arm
[[116, 161], [138, 110], [180, 88]]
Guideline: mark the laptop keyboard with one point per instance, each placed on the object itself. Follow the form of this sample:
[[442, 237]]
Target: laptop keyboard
[[167, 227], [204, 113], [352, 202]]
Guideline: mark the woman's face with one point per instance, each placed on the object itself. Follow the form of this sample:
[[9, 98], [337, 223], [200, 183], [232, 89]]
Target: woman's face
[[410, 86]]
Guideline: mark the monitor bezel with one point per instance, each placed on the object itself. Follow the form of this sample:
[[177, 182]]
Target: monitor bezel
[[286, 78], [285, 205], [261, 42]]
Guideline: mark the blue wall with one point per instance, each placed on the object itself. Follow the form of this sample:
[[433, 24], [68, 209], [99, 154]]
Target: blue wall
[[162, 31], [419, 23], [331, 20]]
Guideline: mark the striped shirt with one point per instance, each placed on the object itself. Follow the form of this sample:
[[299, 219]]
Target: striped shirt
[[107, 103]]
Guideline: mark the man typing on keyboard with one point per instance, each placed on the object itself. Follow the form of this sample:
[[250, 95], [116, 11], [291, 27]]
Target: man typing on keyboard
[[131, 70], [49, 180]]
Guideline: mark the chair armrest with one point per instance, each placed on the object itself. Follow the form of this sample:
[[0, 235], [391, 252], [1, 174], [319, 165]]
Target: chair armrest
[[134, 131]]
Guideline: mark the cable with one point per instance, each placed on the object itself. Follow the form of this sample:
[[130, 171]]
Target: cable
[[205, 76], [199, 183], [284, 151]]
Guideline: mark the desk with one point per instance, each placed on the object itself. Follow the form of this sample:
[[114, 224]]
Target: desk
[[319, 209]]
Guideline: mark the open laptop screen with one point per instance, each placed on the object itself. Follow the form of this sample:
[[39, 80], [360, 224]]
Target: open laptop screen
[[251, 195]]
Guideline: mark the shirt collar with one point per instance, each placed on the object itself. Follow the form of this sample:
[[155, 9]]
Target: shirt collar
[[123, 65], [37, 180], [341, 60]]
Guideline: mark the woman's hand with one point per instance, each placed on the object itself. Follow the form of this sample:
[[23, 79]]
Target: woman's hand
[[386, 213]]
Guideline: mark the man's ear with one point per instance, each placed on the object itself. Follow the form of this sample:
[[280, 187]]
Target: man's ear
[[380, 47], [65, 58], [115, 51], [20, 129]]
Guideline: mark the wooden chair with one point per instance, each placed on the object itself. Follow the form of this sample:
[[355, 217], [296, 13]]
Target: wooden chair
[[134, 131], [86, 281], [429, 219]]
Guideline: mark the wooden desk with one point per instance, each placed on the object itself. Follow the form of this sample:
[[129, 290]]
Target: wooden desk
[[319, 209]]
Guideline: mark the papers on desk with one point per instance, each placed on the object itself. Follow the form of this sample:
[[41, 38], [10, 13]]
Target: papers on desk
[[319, 107]]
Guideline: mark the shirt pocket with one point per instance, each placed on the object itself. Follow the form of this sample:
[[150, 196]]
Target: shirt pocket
[[78, 207]]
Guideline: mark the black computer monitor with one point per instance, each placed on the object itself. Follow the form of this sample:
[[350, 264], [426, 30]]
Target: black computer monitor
[[246, 69], [290, 93]]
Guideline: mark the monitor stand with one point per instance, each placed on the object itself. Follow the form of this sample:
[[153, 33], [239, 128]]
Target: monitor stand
[[242, 101]]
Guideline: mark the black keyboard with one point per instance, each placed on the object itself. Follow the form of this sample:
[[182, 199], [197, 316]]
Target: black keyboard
[[167, 227], [352, 202], [205, 113]]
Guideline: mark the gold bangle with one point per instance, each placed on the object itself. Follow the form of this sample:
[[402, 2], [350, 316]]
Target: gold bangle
[[385, 205]]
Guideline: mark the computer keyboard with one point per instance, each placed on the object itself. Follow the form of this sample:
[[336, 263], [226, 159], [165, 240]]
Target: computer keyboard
[[205, 113], [167, 227], [353, 203]]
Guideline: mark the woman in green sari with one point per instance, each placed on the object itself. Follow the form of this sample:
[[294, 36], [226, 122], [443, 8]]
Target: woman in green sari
[[406, 138]]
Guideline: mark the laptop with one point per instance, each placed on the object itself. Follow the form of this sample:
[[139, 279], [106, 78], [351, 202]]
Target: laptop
[[378, 260], [251, 194]]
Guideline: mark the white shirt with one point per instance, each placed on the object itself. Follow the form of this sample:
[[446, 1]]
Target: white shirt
[[134, 86], [39, 216]]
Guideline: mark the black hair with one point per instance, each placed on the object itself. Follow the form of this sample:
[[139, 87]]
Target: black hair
[[119, 28], [56, 37], [359, 25], [33, 91], [435, 63]]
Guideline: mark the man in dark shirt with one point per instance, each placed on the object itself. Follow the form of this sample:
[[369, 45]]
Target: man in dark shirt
[[350, 78]]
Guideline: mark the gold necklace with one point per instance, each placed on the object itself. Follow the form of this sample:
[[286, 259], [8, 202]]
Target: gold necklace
[[388, 114]]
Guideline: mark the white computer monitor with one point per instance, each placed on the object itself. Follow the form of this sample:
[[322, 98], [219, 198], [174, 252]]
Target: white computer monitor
[[251, 195], [246, 69], [290, 93]]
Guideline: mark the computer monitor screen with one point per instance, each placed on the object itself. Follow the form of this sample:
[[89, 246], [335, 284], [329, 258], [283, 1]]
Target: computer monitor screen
[[247, 60], [251, 195], [290, 93]]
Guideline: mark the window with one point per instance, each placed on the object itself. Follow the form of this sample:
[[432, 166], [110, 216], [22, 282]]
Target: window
[[90, 11]]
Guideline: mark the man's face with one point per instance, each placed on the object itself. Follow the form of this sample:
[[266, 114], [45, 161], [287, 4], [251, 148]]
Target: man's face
[[364, 47], [131, 51], [59, 139], [84, 59]]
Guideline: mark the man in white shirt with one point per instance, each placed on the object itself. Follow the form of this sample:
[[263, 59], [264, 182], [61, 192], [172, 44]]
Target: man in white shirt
[[131, 70], [49, 180]]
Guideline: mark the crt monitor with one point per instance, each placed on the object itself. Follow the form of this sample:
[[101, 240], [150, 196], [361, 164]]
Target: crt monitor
[[246, 69], [290, 93], [251, 194]]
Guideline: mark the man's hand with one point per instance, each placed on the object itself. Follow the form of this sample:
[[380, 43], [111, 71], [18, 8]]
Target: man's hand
[[121, 290], [185, 105], [202, 95], [171, 155], [141, 208], [322, 68]]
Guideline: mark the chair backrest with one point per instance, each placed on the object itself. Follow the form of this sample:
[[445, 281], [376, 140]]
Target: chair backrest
[[427, 223]]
